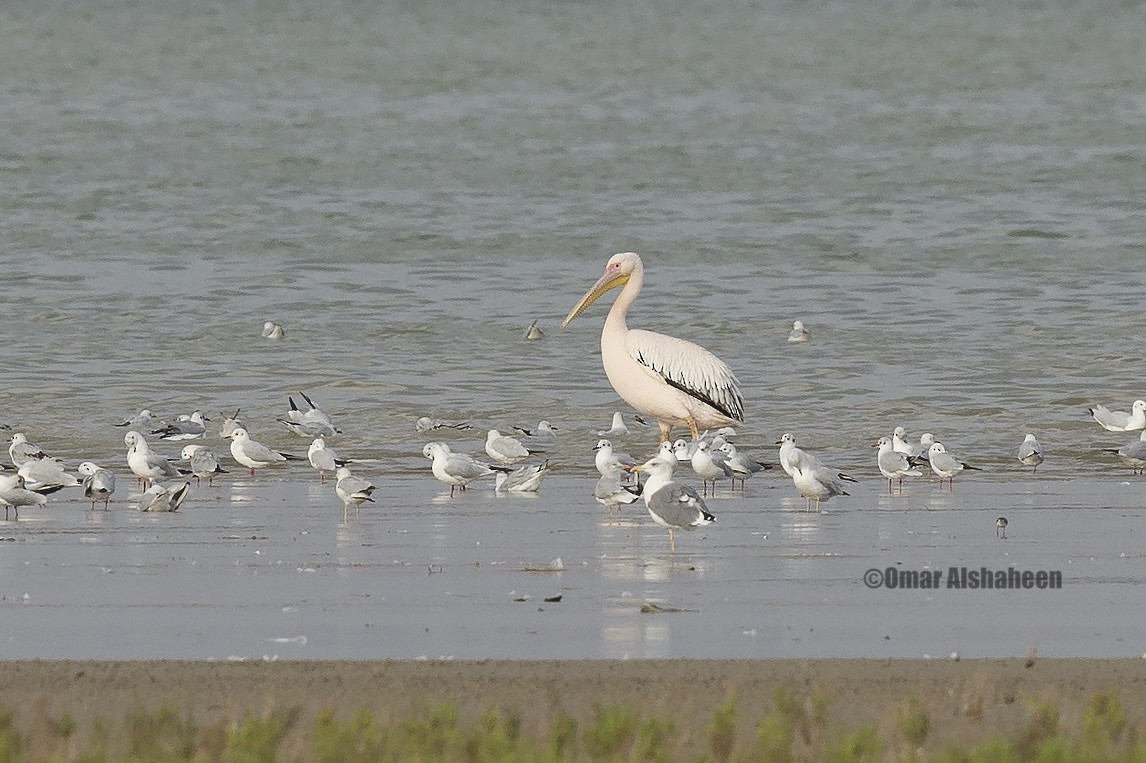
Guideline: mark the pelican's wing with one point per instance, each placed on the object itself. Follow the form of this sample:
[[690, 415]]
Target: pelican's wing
[[690, 368]]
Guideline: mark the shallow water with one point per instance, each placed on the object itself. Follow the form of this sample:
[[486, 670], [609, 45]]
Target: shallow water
[[946, 195]]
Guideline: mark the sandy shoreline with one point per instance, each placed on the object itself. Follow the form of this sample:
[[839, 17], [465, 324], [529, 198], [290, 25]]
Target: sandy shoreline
[[968, 701]]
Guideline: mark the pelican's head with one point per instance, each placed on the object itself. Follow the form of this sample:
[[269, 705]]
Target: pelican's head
[[618, 271]]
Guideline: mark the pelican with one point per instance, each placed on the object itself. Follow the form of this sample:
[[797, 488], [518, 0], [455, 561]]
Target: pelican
[[669, 379]]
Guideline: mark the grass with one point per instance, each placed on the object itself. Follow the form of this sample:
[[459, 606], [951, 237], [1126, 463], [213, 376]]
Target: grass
[[795, 728]]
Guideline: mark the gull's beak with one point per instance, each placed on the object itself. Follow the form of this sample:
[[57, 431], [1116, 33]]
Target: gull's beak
[[639, 468], [604, 284], [875, 444]]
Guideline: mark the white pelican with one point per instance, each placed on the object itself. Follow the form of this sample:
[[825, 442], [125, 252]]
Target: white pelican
[[1030, 452], [945, 465], [672, 380]]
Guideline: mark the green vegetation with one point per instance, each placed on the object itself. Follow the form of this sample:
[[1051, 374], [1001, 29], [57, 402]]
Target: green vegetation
[[794, 728]]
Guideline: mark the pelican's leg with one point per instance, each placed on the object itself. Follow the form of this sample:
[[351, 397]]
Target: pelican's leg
[[666, 430], [672, 541], [692, 428]]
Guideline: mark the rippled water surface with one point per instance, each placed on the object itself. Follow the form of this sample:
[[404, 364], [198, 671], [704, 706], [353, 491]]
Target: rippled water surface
[[948, 195]]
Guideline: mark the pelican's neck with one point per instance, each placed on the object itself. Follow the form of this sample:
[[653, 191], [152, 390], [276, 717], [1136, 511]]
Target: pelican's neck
[[615, 321]]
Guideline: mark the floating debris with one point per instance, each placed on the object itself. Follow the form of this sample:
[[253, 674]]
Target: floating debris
[[652, 608], [533, 332], [553, 599], [555, 566]]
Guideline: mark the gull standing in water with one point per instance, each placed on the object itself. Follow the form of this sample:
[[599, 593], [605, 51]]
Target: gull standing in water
[[672, 504], [504, 449], [742, 465], [900, 444], [526, 479], [1133, 453], [13, 494], [607, 458], [894, 464], [709, 465], [323, 458], [251, 453], [611, 491], [99, 484], [945, 465], [454, 469], [163, 497], [272, 330], [666, 378], [798, 333], [1120, 421], [204, 463], [352, 490], [1030, 452], [143, 463]]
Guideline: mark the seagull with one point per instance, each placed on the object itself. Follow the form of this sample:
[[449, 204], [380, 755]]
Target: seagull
[[526, 479], [789, 453], [251, 453], [13, 494], [607, 459], [142, 420], [666, 378], [610, 491], [799, 333], [1133, 453], [352, 490], [504, 449], [231, 422], [159, 498], [143, 463], [1001, 527], [710, 466], [427, 424], [742, 465], [204, 463], [272, 330], [945, 465], [1031, 453], [323, 458], [900, 444], [672, 504], [618, 429], [543, 431], [46, 475], [894, 463], [684, 450], [310, 423], [21, 451], [817, 482], [1120, 421], [454, 469], [99, 483], [184, 428]]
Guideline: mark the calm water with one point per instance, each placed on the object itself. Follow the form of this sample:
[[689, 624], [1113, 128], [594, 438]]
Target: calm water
[[947, 194]]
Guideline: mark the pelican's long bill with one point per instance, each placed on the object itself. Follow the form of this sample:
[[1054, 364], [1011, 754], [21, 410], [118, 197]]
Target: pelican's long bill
[[604, 284]]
